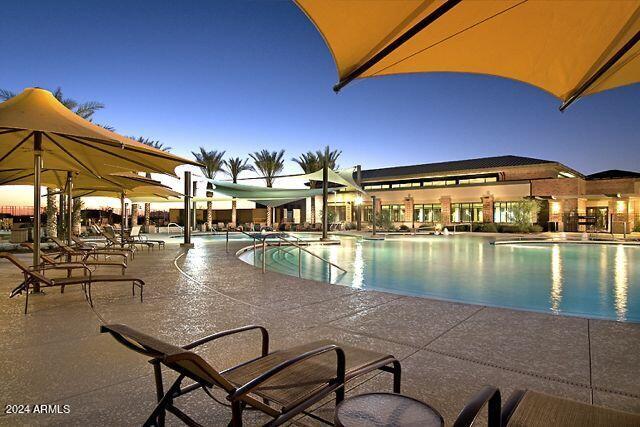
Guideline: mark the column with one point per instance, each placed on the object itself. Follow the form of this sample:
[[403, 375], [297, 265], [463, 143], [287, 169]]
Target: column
[[408, 209], [555, 214], [445, 204], [487, 208]]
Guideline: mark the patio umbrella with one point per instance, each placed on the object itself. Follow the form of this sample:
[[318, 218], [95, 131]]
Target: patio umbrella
[[37, 131], [568, 48]]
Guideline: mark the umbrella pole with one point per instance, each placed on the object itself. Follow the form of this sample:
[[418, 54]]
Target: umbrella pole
[[325, 199], [187, 211], [69, 210], [123, 209], [37, 178]]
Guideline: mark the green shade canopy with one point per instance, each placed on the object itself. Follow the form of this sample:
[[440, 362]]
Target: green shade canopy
[[263, 195], [342, 177]]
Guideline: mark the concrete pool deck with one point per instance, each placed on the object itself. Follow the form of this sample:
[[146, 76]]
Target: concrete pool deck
[[55, 354]]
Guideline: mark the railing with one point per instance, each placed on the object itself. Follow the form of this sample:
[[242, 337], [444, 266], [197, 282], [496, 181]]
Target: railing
[[279, 235], [176, 225]]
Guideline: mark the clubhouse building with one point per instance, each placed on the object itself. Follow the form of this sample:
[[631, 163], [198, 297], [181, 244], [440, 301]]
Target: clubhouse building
[[484, 190]]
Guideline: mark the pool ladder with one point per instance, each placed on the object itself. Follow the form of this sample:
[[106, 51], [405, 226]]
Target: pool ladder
[[279, 235]]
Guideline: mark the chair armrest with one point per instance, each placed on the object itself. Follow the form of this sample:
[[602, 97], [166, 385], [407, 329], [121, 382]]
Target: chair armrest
[[263, 330], [469, 413], [62, 266], [340, 369]]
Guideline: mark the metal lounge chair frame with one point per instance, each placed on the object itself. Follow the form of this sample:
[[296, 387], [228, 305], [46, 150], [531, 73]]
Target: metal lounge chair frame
[[136, 237], [86, 252], [247, 384], [35, 275], [530, 408], [47, 260]]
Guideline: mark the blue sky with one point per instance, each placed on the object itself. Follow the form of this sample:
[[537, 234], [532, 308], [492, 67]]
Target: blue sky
[[246, 75]]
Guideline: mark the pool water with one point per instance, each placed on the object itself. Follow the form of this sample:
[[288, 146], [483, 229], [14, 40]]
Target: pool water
[[600, 281]]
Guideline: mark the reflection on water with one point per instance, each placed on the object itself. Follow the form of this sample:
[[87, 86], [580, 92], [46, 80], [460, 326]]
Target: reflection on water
[[621, 282], [556, 279], [585, 280], [358, 267]]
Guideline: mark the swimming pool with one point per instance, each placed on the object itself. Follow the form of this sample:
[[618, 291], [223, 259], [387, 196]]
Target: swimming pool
[[599, 281]]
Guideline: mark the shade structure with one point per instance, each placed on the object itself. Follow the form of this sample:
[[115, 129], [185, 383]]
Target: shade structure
[[568, 48], [37, 131], [58, 179], [138, 194], [263, 195], [343, 177], [69, 142]]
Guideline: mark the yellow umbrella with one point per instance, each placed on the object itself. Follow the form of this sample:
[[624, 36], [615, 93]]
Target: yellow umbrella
[[37, 131], [58, 179], [567, 48], [36, 121]]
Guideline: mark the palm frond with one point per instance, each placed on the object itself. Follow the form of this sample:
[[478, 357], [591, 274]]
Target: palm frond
[[269, 163], [87, 109], [235, 166], [211, 161], [6, 94]]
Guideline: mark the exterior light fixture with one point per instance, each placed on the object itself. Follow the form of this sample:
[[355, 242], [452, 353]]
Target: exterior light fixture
[[358, 200]]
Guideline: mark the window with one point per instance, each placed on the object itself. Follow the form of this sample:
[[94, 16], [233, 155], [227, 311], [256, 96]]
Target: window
[[503, 211], [427, 213], [375, 187], [466, 212], [396, 212], [367, 212]]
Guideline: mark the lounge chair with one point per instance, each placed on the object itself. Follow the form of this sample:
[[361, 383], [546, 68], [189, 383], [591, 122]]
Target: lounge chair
[[136, 237], [33, 276], [85, 252], [527, 408], [113, 242], [48, 260], [280, 384]]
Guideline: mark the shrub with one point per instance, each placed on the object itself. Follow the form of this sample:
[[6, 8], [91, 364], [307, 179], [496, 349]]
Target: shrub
[[636, 229], [487, 228], [383, 221], [403, 228], [535, 228], [350, 226]]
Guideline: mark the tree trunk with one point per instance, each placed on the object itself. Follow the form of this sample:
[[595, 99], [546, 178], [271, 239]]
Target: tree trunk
[[269, 208], [51, 229], [209, 212], [134, 214], [234, 212], [147, 216], [147, 212], [77, 216]]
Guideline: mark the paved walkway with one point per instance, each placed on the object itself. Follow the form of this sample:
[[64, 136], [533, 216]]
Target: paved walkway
[[56, 355]]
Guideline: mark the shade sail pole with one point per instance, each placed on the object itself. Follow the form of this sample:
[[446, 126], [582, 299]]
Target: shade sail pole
[[325, 199], [37, 177], [123, 218], [424, 23], [605, 67], [69, 209], [187, 211]]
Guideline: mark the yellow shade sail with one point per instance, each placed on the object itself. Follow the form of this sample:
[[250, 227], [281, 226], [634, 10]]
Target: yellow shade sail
[[69, 142], [144, 193], [58, 179], [558, 46]]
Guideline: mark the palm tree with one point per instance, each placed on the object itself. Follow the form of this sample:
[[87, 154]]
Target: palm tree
[[331, 156], [159, 146], [269, 164], [212, 163], [310, 163], [234, 167], [86, 110]]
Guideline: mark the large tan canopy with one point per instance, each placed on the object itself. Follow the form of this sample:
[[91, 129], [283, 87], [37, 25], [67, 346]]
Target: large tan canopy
[[70, 142], [558, 46], [58, 179], [138, 194]]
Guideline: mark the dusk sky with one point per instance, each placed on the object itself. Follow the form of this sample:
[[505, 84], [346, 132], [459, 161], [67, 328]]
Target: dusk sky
[[245, 75]]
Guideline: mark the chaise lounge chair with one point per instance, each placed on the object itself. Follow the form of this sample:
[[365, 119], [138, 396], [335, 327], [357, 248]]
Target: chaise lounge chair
[[527, 408], [136, 237], [33, 276], [48, 260], [281, 383], [85, 252]]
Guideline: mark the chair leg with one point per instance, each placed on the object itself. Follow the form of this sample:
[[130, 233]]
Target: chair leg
[[236, 414], [157, 371], [340, 394], [26, 300], [397, 376], [163, 403]]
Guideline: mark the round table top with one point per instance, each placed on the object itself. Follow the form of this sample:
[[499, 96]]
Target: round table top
[[386, 409]]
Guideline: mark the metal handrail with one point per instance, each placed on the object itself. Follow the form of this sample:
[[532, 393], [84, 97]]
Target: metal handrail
[[278, 235], [173, 223]]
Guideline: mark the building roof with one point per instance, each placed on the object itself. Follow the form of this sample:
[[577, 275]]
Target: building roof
[[457, 165], [614, 174]]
